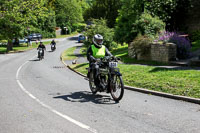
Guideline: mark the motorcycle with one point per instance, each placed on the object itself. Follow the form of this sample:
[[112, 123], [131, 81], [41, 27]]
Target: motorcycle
[[109, 76], [40, 54], [53, 47]]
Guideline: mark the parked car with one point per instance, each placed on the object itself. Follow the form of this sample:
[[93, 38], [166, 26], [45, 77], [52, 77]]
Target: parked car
[[34, 36], [81, 38], [24, 40], [17, 41]]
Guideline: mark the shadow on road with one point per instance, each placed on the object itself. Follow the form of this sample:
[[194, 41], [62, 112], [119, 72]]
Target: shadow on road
[[35, 60], [85, 96]]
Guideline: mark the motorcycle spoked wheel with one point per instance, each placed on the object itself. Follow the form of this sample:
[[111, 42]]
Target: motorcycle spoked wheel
[[117, 88], [92, 85]]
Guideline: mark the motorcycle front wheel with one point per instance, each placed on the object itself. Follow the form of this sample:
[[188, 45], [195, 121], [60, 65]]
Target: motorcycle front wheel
[[117, 88], [92, 85]]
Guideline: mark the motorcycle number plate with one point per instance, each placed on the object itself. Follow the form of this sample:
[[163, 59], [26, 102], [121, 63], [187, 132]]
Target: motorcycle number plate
[[112, 64]]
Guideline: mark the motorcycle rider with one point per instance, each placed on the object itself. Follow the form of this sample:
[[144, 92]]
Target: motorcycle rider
[[94, 52], [41, 45], [53, 43]]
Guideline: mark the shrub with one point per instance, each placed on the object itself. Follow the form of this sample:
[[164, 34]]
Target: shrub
[[150, 26], [78, 27], [140, 45], [46, 34], [195, 35], [183, 45], [99, 27]]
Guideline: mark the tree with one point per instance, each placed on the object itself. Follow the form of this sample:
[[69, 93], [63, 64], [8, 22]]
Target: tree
[[67, 12], [126, 30], [16, 16], [100, 27], [172, 12], [106, 9]]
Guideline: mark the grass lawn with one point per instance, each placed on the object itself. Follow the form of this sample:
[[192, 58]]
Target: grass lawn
[[69, 54], [21, 47], [174, 81]]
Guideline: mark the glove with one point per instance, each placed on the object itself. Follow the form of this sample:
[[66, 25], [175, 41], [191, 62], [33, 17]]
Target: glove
[[92, 59]]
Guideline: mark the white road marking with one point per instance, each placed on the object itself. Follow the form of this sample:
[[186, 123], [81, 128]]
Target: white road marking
[[48, 107]]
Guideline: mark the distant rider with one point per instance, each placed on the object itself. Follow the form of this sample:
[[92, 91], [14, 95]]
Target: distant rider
[[96, 51], [41, 45], [53, 43]]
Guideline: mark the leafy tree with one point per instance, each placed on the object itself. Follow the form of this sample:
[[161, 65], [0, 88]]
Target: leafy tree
[[173, 12], [107, 9], [67, 12], [17, 15], [100, 27], [126, 30]]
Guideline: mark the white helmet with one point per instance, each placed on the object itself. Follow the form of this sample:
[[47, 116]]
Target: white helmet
[[98, 40]]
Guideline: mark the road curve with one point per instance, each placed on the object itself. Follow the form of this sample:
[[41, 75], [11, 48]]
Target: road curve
[[45, 96]]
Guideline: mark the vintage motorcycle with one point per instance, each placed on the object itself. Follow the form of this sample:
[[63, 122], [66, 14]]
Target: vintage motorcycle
[[53, 47], [109, 76], [40, 54]]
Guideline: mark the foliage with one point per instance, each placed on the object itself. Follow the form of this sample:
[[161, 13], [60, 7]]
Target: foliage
[[183, 45], [140, 45], [126, 30], [78, 27], [107, 9], [195, 45], [195, 35], [148, 25], [170, 11], [17, 15], [99, 27], [67, 12]]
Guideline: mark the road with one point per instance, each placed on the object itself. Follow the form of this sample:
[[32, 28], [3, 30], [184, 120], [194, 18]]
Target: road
[[46, 97]]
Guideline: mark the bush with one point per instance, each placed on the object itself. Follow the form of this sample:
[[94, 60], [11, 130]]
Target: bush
[[150, 26], [183, 45], [78, 27], [46, 34], [194, 36], [100, 27], [140, 45]]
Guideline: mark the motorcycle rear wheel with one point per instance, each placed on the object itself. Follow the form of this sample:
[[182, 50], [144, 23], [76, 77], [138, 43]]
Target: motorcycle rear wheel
[[117, 88], [92, 85]]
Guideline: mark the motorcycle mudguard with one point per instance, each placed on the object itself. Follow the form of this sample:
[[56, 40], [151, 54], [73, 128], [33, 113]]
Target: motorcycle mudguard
[[115, 71]]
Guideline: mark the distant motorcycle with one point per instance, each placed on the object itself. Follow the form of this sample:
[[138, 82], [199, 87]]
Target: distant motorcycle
[[40, 53], [109, 76], [53, 47]]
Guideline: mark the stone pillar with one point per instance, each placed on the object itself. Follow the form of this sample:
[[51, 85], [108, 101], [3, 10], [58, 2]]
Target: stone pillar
[[163, 52]]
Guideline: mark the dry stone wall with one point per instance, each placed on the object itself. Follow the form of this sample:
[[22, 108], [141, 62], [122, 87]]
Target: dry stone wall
[[163, 52], [157, 52]]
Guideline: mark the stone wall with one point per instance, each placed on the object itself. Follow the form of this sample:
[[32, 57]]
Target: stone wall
[[157, 52], [163, 52]]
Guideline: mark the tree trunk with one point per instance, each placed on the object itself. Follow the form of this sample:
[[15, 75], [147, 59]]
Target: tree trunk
[[9, 45]]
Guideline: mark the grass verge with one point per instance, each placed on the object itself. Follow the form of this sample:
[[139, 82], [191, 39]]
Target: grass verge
[[69, 54], [21, 47], [174, 81]]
